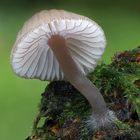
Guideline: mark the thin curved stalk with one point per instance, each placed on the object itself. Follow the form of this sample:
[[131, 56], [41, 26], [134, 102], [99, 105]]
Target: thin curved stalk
[[75, 76]]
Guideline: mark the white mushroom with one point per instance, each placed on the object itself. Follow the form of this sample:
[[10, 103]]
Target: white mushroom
[[60, 45]]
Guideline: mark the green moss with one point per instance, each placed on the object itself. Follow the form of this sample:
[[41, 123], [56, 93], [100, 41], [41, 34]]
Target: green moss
[[63, 111], [121, 74]]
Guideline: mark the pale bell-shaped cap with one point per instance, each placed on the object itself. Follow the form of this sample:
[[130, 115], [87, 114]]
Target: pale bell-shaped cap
[[32, 57]]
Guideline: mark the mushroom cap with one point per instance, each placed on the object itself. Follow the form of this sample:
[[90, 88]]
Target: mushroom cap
[[31, 56]]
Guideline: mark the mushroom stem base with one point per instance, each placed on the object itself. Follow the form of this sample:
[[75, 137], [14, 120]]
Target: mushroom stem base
[[104, 122]]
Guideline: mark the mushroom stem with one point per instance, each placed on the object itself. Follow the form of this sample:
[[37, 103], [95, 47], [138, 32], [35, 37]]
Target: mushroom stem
[[75, 76]]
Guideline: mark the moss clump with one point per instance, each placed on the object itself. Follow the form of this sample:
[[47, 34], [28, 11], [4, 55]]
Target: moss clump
[[122, 76], [63, 110]]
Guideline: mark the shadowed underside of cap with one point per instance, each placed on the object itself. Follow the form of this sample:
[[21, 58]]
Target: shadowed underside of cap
[[32, 57]]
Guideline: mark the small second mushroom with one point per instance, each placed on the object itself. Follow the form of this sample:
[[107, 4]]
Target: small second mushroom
[[60, 45]]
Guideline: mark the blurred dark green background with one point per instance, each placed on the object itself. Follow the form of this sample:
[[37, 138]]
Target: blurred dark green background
[[19, 97]]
